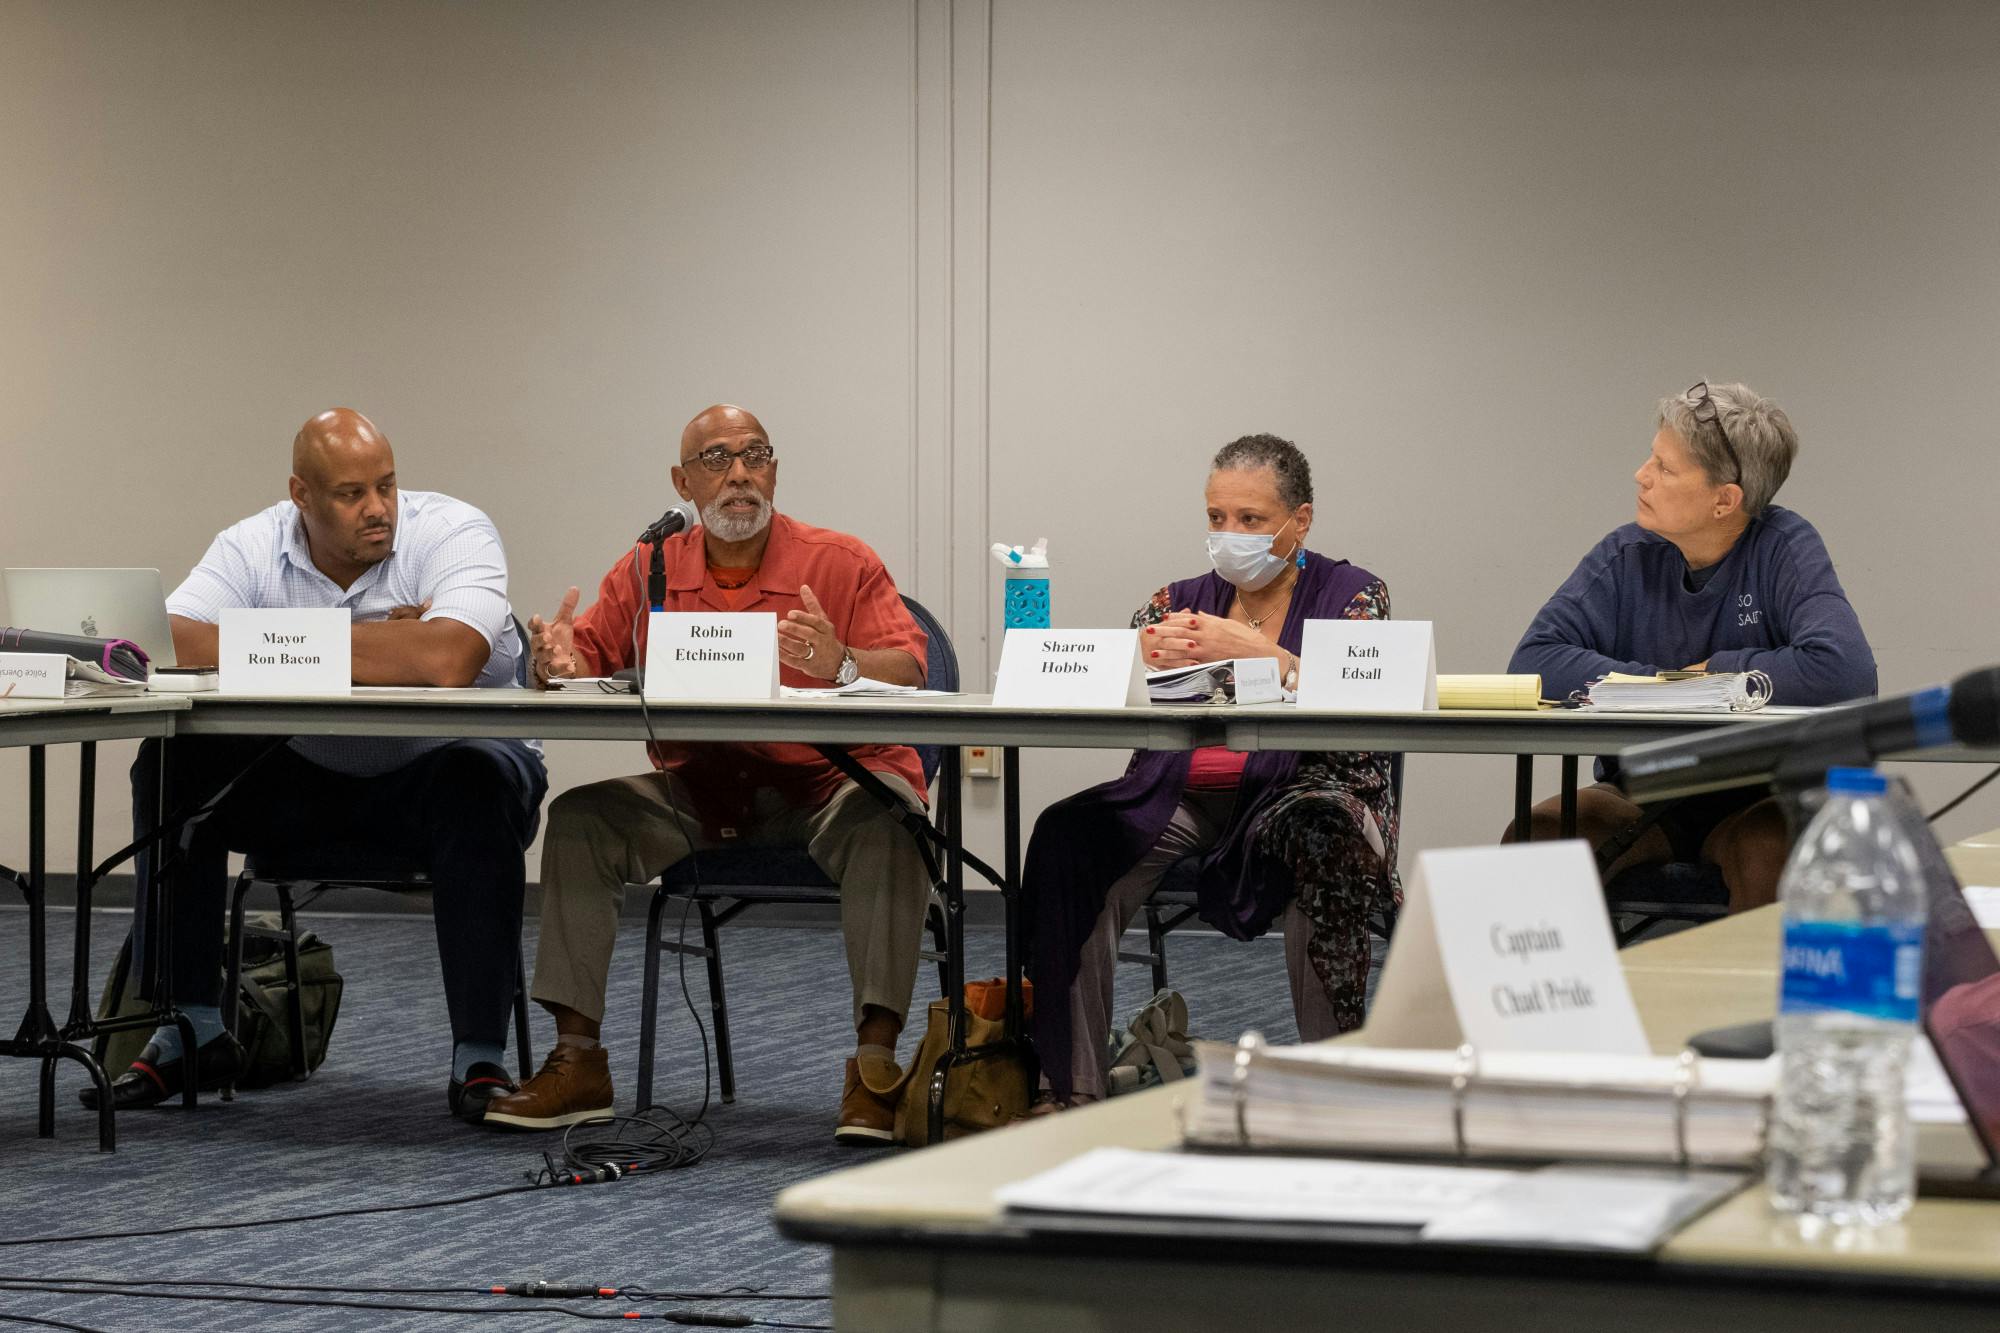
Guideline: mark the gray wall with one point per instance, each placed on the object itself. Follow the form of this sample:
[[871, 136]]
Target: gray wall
[[1015, 271]]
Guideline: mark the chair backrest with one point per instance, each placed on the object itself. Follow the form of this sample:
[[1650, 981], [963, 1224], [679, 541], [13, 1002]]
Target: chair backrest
[[524, 650], [940, 672]]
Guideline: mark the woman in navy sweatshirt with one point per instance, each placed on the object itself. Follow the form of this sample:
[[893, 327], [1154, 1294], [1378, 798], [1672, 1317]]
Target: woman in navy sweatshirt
[[1712, 576]]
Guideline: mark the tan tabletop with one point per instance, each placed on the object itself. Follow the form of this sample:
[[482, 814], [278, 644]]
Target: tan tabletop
[[1721, 974], [109, 717], [1977, 859]]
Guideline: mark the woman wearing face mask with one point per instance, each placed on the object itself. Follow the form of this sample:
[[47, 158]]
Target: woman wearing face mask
[[1308, 836]]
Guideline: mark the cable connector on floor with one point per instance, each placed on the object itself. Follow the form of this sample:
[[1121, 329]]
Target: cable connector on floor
[[566, 1174], [697, 1319], [554, 1291]]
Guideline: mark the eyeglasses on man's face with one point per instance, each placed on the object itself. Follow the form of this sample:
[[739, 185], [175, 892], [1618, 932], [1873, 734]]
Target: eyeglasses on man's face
[[755, 457], [1702, 403]]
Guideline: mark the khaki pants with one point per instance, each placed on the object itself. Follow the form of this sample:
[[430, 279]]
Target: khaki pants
[[609, 834]]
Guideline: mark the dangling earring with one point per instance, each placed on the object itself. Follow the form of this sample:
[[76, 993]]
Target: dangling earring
[[1302, 556]]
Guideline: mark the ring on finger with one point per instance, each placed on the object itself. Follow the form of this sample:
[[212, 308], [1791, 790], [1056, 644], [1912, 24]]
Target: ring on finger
[[809, 652]]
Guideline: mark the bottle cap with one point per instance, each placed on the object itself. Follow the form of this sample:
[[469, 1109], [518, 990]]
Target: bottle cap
[[1856, 781]]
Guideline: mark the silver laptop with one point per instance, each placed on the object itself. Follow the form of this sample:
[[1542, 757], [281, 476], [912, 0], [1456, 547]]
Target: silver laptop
[[100, 603]]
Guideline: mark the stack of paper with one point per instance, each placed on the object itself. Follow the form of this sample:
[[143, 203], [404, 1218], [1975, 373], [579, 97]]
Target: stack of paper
[[1123, 1182], [1525, 1105], [1241, 680], [1621, 1209], [1683, 692], [79, 679], [1514, 692], [860, 685]]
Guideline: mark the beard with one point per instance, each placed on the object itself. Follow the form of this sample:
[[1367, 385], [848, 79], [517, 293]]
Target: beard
[[730, 527]]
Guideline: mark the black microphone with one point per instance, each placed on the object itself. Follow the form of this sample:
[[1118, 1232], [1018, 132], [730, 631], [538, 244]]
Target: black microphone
[[680, 516], [1798, 751]]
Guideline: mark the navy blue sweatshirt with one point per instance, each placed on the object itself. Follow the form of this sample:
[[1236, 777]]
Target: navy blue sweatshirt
[[1772, 605]]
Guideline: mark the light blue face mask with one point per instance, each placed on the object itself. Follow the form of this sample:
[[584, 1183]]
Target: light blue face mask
[[1245, 559]]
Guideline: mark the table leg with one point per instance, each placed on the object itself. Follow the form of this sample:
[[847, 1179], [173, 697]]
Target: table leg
[[37, 1027], [161, 910], [952, 815], [1524, 797], [1010, 815], [86, 882], [1569, 796]]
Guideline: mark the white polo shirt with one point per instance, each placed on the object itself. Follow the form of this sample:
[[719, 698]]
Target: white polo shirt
[[445, 552]]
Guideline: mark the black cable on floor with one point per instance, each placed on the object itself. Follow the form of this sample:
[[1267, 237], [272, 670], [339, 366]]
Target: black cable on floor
[[247, 1223], [6, 1318], [739, 1293], [687, 1318]]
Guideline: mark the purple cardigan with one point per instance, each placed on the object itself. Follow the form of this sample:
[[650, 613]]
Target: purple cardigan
[[1084, 843]]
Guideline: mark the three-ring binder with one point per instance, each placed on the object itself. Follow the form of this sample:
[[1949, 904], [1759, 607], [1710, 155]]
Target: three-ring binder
[[1466, 1076]]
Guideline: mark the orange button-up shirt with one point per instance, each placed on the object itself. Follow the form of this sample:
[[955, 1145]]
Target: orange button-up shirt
[[858, 596]]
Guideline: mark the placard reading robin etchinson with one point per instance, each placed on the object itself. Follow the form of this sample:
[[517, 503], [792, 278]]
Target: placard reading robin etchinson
[[285, 650], [1070, 668], [712, 655], [1510, 949]]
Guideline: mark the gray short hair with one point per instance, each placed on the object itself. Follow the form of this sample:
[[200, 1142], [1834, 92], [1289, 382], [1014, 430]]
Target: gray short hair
[[1293, 474], [1758, 430]]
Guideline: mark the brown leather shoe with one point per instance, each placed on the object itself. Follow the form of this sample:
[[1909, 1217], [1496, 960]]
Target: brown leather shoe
[[574, 1084], [868, 1113]]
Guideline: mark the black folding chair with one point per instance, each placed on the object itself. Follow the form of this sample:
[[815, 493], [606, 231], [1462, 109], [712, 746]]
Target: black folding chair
[[722, 884], [1176, 902], [316, 867]]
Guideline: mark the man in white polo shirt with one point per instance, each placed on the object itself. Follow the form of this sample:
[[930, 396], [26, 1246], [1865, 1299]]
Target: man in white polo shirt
[[426, 580]]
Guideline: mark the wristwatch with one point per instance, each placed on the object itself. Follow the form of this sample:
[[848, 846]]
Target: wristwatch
[[850, 670]]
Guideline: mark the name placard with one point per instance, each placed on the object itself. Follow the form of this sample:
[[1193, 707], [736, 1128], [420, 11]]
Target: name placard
[[1070, 668], [1368, 666], [286, 650], [693, 655], [1509, 949], [33, 675]]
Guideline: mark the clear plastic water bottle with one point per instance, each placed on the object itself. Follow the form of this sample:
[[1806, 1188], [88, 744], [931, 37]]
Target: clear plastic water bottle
[[1854, 902]]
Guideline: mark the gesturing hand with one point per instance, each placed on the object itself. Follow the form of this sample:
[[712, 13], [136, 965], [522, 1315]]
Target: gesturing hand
[[806, 640], [553, 642], [1184, 638]]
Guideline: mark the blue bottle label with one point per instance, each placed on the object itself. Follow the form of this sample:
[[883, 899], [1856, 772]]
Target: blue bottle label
[[1875, 971]]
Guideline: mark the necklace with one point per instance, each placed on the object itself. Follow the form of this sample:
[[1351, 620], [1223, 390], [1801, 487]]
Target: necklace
[[1257, 622]]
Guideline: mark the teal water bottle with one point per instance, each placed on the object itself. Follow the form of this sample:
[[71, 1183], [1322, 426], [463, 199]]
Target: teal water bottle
[[1027, 602]]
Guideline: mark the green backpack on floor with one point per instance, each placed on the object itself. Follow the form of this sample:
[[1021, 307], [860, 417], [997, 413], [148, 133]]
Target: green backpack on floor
[[263, 1022]]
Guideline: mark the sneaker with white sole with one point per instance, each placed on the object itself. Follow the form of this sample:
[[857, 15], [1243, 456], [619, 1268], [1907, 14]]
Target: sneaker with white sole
[[574, 1084]]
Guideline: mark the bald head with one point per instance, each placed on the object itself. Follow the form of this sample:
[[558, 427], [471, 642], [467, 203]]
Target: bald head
[[713, 423], [336, 436], [344, 484], [734, 483]]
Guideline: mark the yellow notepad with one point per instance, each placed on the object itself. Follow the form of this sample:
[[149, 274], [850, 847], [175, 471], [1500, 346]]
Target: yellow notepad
[[1523, 692]]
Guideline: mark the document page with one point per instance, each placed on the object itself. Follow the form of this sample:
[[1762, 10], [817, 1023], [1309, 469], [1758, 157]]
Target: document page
[[1127, 1183]]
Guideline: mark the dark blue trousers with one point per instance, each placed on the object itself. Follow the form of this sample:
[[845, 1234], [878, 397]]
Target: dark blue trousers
[[463, 813]]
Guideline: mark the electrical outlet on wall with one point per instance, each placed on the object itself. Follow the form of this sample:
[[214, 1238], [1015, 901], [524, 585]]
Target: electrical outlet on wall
[[981, 761]]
